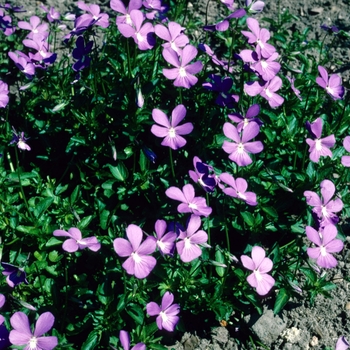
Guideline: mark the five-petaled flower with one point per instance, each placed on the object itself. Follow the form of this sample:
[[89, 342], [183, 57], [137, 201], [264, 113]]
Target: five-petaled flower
[[23, 335], [260, 265], [319, 147], [183, 73], [15, 275], [252, 112], [204, 175], [325, 208], [170, 130], [138, 263], [166, 312], [190, 203], [327, 244], [238, 150], [76, 241], [331, 84], [165, 241], [190, 239]]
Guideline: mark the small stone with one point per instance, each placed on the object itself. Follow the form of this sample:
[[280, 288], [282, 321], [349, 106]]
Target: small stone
[[292, 335], [314, 341], [347, 306], [316, 11]]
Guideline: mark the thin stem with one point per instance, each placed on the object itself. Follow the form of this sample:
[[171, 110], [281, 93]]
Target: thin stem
[[172, 162], [208, 220]]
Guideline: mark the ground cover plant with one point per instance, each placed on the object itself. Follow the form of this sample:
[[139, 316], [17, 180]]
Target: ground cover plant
[[155, 169]]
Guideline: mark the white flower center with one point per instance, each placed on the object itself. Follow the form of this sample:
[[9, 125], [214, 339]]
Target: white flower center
[[264, 64], [187, 243], [261, 44], [241, 195], [192, 205], [330, 90], [182, 72], [42, 53], [324, 211], [161, 245], [323, 251], [35, 31], [163, 315], [240, 148], [258, 275], [173, 46], [128, 19], [318, 145], [136, 257], [32, 343], [81, 242], [172, 133], [245, 122], [139, 37], [268, 93]]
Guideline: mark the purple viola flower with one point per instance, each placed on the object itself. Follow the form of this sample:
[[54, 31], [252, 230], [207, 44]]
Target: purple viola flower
[[170, 129], [4, 335], [23, 335], [342, 344], [327, 244], [42, 47], [100, 19], [222, 85], [36, 29], [5, 24], [15, 275], [81, 24], [23, 63], [260, 265], [52, 14], [204, 175], [184, 72], [259, 37], [252, 112], [319, 147], [80, 53], [165, 241], [155, 9], [190, 203], [295, 90], [345, 160], [325, 208], [331, 84], [330, 29], [20, 140], [173, 35], [238, 188], [4, 92], [2, 300], [255, 6], [228, 3], [118, 5], [224, 24], [142, 34], [241, 146], [139, 261], [266, 90], [188, 245], [76, 242], [12, 8], [124, 338], [166, 312]]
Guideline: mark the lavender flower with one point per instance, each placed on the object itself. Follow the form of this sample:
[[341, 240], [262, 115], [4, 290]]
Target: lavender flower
[[327, 244], [5, 24], [260, 266], [331, 84], [118, 5], [100, 19], [342, 344], [238, 150], [20, 140], [252, 112], [204, 175], [189, 240], [76, 241], [184, 72], [138, 263], [36, 29], [23, 335], [124, 338], [166, 312], [190, 203], [4, 91], [345, 160], [23, 63], [170, 130], [2, 300], [173, 35], [52, 14], [165, 241]]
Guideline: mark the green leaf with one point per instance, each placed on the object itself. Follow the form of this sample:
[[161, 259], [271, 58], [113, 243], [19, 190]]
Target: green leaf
[[120, 172], [54, 256], [136, 312], [91, 341], [104, 218], [219, 257], [42, 206], [281, 300], [74, 195], [271, 211], [53, 241], [28, 229], [85, 222], [248, 218], [157, 347]]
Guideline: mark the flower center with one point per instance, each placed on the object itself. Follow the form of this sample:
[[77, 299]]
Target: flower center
[[182, 72], [268, 93], [264, 64], [128, 19], [260, 43], [173, 46], [163, 315], [240, 148], [32, 343], [258, 275], [330, 90], [172, 133], [161, 245], [192, 205], [136, 257], [241, 195], [139, 37], [81, 242], [245, 122], [323, 251], [324, 211], [318, 145]]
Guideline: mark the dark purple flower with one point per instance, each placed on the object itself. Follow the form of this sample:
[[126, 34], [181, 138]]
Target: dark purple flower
[[330, 30], [124, 338], [4, 91], [325, 207], [166, 312], [170, 129], [80, 53], [15, 275], [165, 241], [23, 335], [224, 24], [4, 335], [204, 175], [20, 140], [319, 147], [12, 8], [260, 265], [139, 261], [238, 189], [5, 24], [252, 112], [190, 203], [222, 85], [331, 84], [240, 147], [188, 245], [184, 72], [151, 156], [76, 241]]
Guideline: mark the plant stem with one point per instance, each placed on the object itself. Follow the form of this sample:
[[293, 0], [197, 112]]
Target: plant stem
[[172, 162]]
